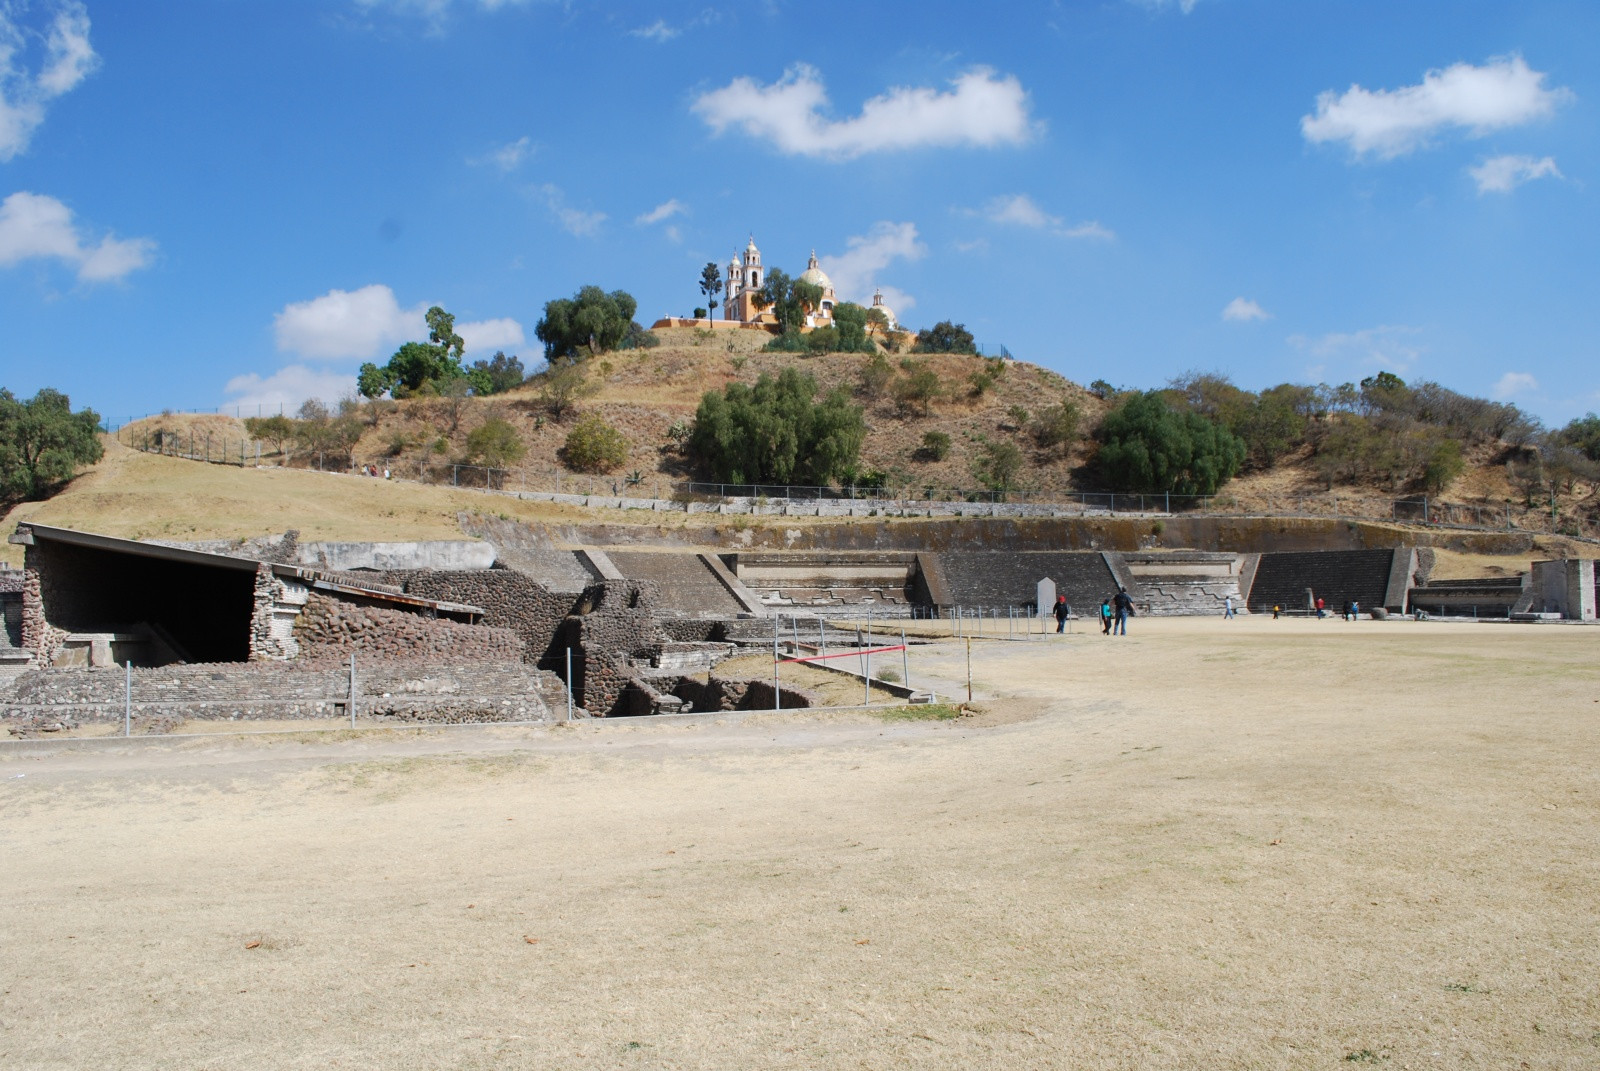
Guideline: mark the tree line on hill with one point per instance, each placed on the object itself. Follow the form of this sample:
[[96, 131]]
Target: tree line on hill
[[1190, 437]]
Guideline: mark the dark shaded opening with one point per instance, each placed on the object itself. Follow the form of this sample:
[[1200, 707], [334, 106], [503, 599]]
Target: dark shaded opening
[[204, 610]]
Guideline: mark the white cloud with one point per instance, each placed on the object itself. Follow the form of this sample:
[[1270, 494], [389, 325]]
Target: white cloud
[[34, 225], [656, 31], [1514, 383], [1502, 174], [286, 388], [1502, 93], [1244, 310], [68, 59], [982, 109], [348, 324], [507, 157], [1185, 6], [1089, 229], [1020, 210], [664, 210], [574, 221], [483, 337], [854, 272], [1387, 346]]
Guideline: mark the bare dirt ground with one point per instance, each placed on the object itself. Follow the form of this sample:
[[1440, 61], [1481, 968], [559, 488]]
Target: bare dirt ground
[[1245, 844]]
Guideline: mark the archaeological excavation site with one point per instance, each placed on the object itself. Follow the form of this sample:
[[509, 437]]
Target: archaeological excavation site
[[523, 623]]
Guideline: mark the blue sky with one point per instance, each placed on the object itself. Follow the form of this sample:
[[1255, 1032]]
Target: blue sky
[[218, 201]]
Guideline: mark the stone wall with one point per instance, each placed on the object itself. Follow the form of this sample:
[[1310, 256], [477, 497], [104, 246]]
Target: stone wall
[[330, 629], [168, 695], [722, 693], [619, 620], [510, 600], [38, 634]]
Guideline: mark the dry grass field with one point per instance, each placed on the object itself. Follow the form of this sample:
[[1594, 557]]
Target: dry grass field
[[1246, 844]]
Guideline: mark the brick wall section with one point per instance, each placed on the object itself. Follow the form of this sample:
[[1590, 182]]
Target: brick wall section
[[410, 692], [329, 630]]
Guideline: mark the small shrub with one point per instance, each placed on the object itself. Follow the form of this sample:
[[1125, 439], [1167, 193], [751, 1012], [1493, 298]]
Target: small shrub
[[594, 446], [1056, 425], [876, 376], [494, 443], [935, 446]]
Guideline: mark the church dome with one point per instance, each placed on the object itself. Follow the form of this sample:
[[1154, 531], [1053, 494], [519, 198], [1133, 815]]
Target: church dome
[[888, 313], [815, 275]]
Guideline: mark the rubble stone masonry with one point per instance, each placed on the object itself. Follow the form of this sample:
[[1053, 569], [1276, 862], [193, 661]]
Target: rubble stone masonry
[[329, 630]]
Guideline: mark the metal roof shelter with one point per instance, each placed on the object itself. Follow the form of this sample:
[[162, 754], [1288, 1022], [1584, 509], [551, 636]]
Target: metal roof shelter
[[204, 601]]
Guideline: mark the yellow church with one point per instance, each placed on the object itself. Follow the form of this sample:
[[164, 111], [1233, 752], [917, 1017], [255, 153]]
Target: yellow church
[[741, 306]]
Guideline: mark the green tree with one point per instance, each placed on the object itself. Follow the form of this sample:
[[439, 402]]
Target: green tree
[[850, 321], [275, 429], [43, 443], [418, 367], [562, 385], [1146, 446], [1056, 426], [876, 375], [442, 333], [1272, 423], [789, 299], [494, 443], [998, 465], [1442, 464], [328, 434], [591, 321], [496, 375], [946, 337], [1583, 434], [935, 446], [594, 446], [777, 432], [917, 387], [711, 286]]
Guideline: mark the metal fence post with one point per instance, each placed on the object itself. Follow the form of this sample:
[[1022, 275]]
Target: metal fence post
[[127, 698], [352, 689], [905, 659], [569, 683], [777, 691]]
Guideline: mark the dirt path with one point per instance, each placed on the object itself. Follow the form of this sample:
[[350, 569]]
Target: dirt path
[[1210, 844]]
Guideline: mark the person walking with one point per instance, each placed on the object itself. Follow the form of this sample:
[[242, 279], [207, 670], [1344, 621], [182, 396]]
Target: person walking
[[1124, 607], [1105, 617], [1227, 607], [1321, 606], [1062, 612], [1275, 611]]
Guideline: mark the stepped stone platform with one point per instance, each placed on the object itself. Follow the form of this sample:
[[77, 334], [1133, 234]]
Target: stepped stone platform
[[686, 584], [976, 578], [1488, 597], [831, 584], [1335, 576]]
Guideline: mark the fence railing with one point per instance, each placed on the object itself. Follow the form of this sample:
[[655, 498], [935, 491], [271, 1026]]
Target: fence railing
[[630, 489]]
